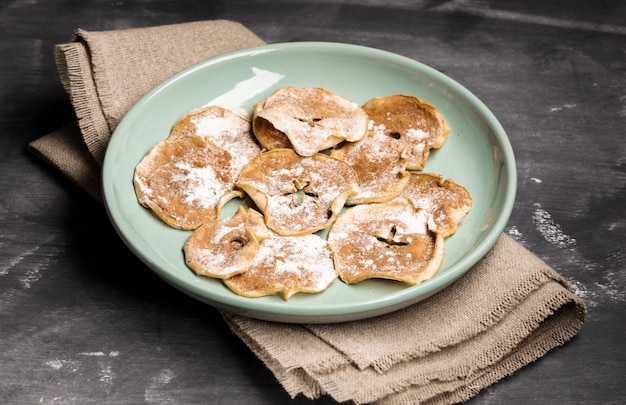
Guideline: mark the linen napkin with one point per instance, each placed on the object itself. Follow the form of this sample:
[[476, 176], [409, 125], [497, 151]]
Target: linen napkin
[[508, 311]]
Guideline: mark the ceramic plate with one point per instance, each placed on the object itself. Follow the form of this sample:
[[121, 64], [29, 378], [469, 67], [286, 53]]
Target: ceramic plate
[[477, 154]]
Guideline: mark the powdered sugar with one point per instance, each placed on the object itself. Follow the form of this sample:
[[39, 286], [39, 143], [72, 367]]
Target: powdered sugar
[[549, 229], [219, 126], [198, 185], [306, 257], [231, 131], [607, 285], [415, 134], [412, 224]]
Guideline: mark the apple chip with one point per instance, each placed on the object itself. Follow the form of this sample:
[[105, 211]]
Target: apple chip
[[224, 247], [298, 195], [287, 265], [311, 118], [416, 125], [447, 201], [186, 180], [379, 166], [390, 240]]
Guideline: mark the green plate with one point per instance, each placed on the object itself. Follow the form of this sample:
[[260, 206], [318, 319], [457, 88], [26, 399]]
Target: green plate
[[477, 155]]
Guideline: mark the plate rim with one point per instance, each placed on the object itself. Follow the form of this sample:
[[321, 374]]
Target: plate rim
[[301, 314]]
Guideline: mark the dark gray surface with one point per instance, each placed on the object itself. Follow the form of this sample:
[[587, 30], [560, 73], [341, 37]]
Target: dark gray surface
[[83, 321]]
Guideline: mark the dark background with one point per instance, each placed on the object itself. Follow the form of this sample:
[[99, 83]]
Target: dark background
[[83, 321]]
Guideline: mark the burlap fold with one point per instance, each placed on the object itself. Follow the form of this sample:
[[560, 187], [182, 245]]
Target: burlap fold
[[509, 310], [107, 72]]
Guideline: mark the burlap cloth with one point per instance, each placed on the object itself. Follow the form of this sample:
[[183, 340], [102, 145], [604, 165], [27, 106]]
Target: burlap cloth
[[508, 311]]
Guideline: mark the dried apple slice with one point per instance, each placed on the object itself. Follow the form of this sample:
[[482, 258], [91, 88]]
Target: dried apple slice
[[225, 247], [311, 118], [379, 166], [390, 240], [447, 201], [286, 265], [298, 195], [186, 180], [416, 125]]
